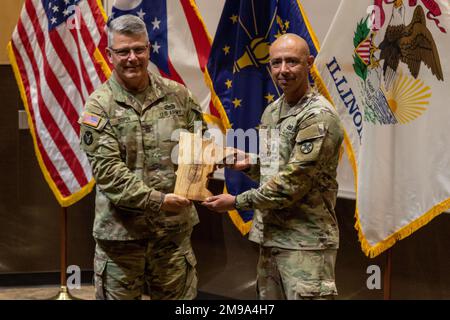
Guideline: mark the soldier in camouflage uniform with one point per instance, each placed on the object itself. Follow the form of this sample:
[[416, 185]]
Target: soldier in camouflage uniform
[[294, 222], [142, 230]]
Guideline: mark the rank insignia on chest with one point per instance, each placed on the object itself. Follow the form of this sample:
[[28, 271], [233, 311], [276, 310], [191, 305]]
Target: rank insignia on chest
[[306, 147]]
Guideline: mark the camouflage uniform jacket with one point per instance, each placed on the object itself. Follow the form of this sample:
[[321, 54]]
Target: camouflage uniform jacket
[[129, 148], [295, 205]]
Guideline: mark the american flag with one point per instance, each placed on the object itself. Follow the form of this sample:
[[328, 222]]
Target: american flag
[[56, 52]]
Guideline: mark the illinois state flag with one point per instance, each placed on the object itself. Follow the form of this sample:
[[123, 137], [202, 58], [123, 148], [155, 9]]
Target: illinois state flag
[[387, 69], [179, 42], [239, 74], [57, 54]]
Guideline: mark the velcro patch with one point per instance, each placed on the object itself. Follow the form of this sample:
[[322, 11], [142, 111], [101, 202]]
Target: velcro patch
[[90, 119]]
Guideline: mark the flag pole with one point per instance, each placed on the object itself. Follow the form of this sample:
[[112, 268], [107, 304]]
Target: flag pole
[[63, 293], [387, 275]]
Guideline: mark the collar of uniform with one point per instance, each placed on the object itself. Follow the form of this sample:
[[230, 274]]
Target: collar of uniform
[[154, 91]]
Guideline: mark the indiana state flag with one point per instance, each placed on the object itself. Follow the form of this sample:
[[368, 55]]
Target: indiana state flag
[[239, 71]]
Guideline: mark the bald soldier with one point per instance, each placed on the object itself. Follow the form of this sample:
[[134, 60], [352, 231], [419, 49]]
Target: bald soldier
[[295, 222]]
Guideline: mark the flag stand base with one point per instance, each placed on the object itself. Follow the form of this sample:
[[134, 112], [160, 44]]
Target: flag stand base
[[64, 294]]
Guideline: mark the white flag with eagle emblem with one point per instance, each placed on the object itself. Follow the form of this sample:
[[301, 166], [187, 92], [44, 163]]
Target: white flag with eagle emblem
[[386, 66]]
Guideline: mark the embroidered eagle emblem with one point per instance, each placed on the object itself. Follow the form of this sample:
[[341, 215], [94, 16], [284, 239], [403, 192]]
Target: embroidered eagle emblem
[[411, 44]]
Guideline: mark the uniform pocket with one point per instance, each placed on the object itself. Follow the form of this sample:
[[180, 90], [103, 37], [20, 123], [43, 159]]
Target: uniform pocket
[[308, 289], [90, 131], [190, 289], [308, 143]]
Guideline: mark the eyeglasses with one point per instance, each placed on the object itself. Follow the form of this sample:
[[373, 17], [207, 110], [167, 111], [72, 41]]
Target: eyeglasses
[[125, 52]]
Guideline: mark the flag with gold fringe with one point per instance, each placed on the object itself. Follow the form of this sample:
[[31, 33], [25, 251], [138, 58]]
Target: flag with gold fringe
[[239, 74], [387, 69]]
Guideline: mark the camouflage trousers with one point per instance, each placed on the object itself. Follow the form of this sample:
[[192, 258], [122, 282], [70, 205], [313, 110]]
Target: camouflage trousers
[[295, 274], [166, 264]]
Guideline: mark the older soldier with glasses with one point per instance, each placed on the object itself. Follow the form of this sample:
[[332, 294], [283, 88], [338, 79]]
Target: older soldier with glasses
[[295, 222], [142, 230]]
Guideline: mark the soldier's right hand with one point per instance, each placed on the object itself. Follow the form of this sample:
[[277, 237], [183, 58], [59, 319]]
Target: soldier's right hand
[[174, 203], [235, 159]]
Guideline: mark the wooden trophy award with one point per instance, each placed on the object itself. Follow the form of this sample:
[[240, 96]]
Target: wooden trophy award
[[197, 158]]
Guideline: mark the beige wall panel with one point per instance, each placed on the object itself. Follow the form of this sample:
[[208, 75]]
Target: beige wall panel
[[9, 14]]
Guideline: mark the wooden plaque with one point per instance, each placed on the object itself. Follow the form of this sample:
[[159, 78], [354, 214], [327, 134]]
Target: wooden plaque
[[196, 161]]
